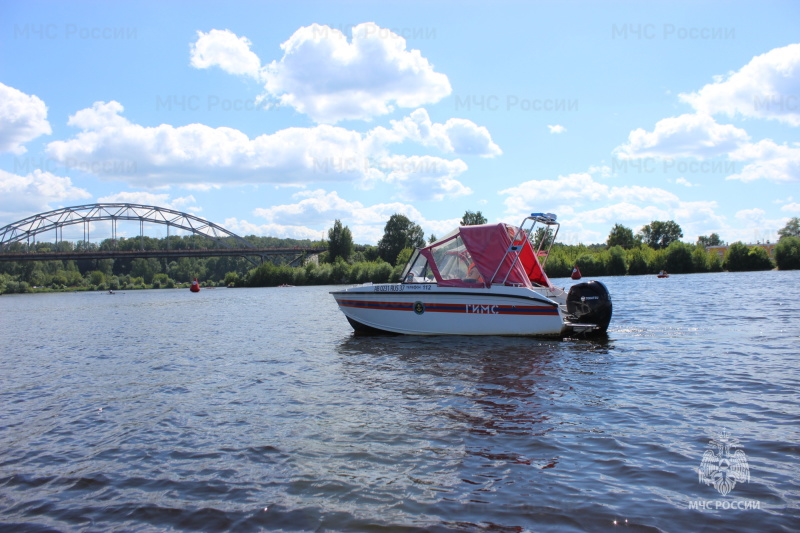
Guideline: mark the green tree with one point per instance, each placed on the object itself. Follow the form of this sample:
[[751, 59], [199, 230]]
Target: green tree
[[542, 234], [714, 262], [758, 258], [60, 279], [340, 272], [473, 219], [736, 257], [160, 281], [399, 233], [741, 257], [637, 261], [97, 278], [185, 269], [660, 234], [700, 259], [145, 268], [340, 242], [591, 265], [616, 261], [787, 253], [270, 275], [711, 240], [557, 265], [621, 236], [232, 279], [679, 258], [404, 256], [791, 229]]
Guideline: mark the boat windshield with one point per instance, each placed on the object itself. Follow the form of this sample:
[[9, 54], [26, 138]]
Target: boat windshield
[[417, 270]]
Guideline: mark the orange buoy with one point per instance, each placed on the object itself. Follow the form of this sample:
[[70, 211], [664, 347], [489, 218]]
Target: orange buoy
[[195, 286], [576, 272]]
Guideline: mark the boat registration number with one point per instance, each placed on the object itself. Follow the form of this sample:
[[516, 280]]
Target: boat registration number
[[401, 288]]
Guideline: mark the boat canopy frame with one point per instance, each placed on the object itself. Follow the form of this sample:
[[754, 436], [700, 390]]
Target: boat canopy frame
[[494, 251]]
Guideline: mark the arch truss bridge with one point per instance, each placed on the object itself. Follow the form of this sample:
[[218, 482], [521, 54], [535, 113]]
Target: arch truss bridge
[[229, 244]]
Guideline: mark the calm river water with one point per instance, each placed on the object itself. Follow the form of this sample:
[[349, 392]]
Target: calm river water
[[258, 410]]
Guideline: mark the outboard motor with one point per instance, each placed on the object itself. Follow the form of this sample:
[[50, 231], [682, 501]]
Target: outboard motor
[[590, 303]]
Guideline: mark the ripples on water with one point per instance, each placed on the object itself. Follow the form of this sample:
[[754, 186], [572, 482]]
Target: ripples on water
[[257, 409]]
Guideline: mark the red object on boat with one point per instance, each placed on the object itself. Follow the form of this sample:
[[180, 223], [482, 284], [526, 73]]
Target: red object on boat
[[576, 273], [488, 245], [195, 286]]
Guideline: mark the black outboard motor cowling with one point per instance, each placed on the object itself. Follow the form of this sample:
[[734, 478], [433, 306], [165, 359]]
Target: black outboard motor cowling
[[590, 303]]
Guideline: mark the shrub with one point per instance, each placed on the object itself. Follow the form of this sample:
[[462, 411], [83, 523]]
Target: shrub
[[321, 275], [97, 278], [637, 262], [160, 280], [591, 265], [699, 259], [758, 258], [232, 279], [269, 275], [299, 277], [714, 262], [382, 272], [557, 265], [340, 272], [17, 287], [741, 258], [787, 253], [679, 258], [616, 261]]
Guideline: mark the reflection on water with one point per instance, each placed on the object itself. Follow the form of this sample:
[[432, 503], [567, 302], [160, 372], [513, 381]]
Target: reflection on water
[[496, 403], [260, 410]]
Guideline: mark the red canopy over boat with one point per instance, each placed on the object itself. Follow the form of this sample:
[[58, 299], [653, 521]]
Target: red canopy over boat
[[492, 250]]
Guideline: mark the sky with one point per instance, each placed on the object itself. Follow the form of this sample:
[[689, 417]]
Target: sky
[[278, 118]]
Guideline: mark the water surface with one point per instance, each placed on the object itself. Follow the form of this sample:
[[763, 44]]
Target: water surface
[[258, 409]]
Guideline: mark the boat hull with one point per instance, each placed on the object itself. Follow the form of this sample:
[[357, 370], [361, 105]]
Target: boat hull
[[430, 310]]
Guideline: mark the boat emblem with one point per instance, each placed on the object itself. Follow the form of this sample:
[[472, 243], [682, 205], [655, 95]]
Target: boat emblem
[[419, 308], [724, 467]]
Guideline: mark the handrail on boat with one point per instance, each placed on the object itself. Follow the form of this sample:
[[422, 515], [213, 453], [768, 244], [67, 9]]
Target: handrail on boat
[[546, 219]]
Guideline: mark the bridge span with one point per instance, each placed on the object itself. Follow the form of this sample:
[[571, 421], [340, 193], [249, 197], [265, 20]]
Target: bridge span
[[230, 244]]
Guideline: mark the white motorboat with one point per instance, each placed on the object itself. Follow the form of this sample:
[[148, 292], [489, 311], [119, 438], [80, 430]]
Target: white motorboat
[[480, 280]]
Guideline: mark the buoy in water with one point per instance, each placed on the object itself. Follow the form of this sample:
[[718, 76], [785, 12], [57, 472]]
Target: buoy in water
[[576, 272], [195, 286]]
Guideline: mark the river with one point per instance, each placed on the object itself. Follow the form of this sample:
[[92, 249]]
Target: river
[[259, 410]]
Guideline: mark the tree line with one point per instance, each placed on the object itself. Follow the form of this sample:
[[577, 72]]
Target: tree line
[[657, 246]]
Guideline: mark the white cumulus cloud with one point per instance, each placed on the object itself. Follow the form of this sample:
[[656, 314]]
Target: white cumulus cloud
[[110, 146], [185, 203], [767, 87], [319, 209], [425, 177], [201, 157], [557, 128], [689, 135], [329, 78], [779, 163], [457, 135], [224, 49], [23, 118], [35, 192], [580, 201], [312, 207]]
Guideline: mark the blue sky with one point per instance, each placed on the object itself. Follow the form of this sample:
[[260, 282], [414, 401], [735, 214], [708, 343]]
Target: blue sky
[[276, 118]]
